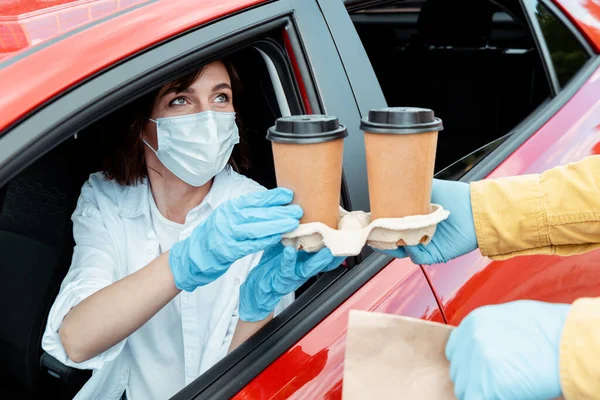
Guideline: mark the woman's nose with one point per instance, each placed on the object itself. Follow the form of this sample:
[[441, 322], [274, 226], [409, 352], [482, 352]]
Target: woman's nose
[[203, 106]]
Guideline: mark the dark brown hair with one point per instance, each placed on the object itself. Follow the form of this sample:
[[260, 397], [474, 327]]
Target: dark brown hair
[[124, 161]]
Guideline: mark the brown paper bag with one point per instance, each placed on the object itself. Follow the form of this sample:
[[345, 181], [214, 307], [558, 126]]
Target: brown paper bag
[[393, 357]]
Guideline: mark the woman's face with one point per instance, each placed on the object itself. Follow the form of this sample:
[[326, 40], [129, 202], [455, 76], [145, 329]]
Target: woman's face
[[210, 91]]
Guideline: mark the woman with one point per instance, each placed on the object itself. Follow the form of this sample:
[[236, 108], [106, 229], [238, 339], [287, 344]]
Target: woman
[[165, 236]]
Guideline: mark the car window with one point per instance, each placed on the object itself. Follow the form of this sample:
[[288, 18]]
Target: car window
[[474, 63], [36, 208], [566, 52]]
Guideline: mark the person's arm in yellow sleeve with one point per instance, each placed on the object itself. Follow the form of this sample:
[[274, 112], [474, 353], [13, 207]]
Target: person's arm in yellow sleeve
[[556, 212], [580, 351]]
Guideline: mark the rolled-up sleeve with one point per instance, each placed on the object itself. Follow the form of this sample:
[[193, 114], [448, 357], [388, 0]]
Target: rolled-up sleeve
[[554, 213], [580, 351], [93, 267]]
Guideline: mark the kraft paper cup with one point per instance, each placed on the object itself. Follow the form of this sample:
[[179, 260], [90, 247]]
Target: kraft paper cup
[[400, 144], [308, 152]]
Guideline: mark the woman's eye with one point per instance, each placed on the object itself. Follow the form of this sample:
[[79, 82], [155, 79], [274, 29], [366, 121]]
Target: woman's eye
[[222, 98], [178, 101]]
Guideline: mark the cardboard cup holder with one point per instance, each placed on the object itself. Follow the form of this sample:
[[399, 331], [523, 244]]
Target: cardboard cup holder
[[400, 145], [355, 230]]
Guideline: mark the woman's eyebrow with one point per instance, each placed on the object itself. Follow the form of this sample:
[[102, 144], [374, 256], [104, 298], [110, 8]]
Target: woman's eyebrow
[[221, 86], [178, 90]]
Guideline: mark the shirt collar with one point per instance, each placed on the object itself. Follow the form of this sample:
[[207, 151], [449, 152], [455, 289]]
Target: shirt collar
[[136, 197]]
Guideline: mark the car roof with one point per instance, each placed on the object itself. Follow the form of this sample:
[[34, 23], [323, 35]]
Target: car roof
[[48, 47]]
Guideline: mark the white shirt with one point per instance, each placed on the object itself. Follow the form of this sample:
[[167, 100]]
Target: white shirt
[[162, 375], [168, 231], [115, 237]]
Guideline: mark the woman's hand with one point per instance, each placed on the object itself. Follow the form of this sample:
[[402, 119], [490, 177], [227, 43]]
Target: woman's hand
[[453, 237], [237, 228], [281, 271]]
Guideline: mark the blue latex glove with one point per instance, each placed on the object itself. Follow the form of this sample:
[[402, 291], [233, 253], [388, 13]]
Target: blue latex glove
[[281, 271], [508, 351], [454, 236], [237, 228]]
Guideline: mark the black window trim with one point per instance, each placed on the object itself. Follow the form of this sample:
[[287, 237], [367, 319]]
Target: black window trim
[[538, 36]]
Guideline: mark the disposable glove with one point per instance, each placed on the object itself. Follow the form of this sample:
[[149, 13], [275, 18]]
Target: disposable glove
[[454, 236], [237, 228], [508, 351], [280, 271]]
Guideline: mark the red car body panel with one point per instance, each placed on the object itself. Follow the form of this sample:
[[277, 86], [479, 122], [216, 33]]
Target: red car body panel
[[24, 24], [313, 367], [472, 281], [76, 57]]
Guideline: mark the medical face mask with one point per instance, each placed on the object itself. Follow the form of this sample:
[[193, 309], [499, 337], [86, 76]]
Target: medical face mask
[[196, 147]]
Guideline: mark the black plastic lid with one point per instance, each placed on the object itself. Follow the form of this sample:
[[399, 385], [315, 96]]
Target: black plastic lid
[[401, 120], [304, 129]]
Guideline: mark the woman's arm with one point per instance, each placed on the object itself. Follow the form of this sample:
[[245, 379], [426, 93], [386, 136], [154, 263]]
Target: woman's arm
[[112, 314], [245, 329], [94, 313]]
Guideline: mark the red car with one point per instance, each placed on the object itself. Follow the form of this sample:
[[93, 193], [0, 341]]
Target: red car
[[516, 82]]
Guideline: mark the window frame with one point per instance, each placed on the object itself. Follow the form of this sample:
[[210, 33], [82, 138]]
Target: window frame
[[529, 8], [494, 153], [499, 152]]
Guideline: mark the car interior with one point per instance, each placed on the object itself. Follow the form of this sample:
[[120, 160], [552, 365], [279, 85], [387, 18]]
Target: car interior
[[475, 63], [36, 242]]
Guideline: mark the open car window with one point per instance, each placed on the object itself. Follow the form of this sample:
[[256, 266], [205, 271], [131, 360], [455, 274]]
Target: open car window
[[480, 65], [37, 198], [474, 63]]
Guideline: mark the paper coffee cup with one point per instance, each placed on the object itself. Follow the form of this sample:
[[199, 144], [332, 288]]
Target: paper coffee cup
[[308, 152], [400, 144]]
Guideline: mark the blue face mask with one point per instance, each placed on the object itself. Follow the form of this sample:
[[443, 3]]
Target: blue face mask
[[196, 147]]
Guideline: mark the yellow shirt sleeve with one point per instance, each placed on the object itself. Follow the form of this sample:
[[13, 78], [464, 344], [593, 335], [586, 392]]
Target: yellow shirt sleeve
[[580, 351], [557, 212]]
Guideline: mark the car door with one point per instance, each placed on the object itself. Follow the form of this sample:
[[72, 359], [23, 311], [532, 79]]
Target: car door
[[565, 130], [294, 40]]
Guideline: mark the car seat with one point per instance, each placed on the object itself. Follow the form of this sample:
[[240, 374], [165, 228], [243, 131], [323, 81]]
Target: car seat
[[479, 91], [35, 251], [451, 71]]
